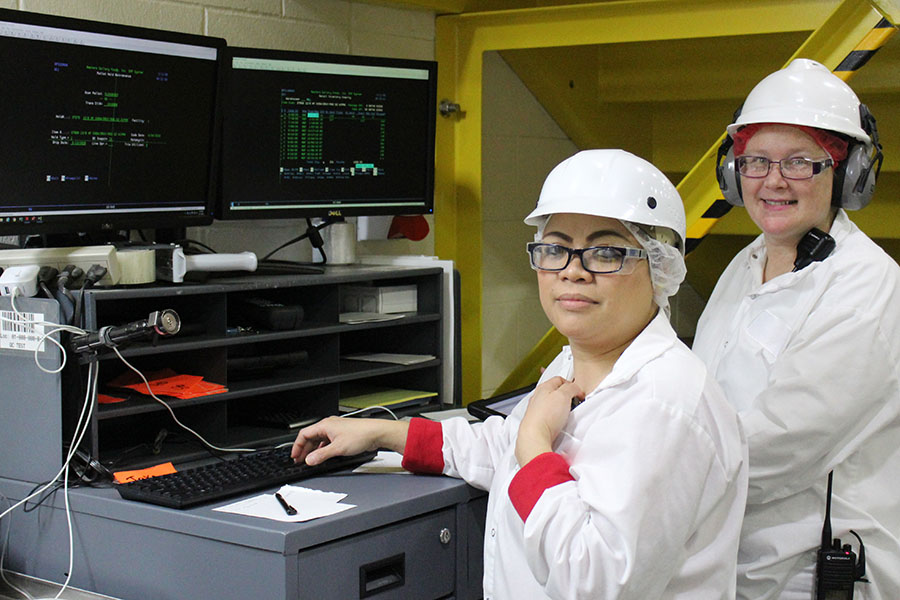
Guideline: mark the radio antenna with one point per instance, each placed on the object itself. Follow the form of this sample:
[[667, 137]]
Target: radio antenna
[[826, 527]]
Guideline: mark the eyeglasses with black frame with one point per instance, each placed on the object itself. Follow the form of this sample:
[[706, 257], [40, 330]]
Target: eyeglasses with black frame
[[795, 167], [596, 259]]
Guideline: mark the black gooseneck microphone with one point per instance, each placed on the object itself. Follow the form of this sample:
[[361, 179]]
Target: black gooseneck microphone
[[162, 322]]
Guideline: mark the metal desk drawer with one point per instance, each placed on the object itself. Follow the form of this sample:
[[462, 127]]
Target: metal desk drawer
[[411, 559]]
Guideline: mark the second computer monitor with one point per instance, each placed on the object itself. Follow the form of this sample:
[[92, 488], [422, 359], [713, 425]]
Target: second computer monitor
[[318, 135]]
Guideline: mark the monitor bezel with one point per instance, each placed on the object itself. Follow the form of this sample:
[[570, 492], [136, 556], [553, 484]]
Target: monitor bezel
[[331, 209], [102, 223]]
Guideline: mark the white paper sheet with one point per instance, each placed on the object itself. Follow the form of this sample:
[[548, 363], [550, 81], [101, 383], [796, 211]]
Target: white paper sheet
[[310, 504]]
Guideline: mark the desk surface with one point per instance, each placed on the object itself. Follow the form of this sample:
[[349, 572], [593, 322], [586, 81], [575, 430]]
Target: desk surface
[[214, 546]]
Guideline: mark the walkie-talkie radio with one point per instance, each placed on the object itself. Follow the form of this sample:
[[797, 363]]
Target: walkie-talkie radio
[[837, 568], [816, 245]]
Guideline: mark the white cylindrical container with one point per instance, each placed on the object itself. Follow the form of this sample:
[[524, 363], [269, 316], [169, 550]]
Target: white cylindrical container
[[340, 243]]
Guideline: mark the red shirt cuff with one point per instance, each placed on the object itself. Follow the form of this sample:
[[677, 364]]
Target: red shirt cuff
[[424, 450], [543, 471]]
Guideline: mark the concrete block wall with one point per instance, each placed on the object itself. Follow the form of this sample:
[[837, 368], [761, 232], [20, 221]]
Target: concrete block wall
[[521, 144]]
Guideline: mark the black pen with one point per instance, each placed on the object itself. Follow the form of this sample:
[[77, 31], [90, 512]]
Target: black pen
[[290, 510]]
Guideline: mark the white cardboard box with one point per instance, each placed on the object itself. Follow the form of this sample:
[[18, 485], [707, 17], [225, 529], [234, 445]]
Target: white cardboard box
[[379, 299]]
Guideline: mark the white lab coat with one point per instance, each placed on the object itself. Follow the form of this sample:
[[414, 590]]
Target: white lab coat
[[811, 360], [654, 511]]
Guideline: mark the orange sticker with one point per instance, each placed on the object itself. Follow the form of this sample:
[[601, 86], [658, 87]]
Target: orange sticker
[[126, 476]]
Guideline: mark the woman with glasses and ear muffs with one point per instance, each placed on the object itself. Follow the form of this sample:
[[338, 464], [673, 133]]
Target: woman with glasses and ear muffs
[[803, 333], [623, 474]]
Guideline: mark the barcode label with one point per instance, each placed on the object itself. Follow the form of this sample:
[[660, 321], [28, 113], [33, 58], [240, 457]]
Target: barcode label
[[21, 331]]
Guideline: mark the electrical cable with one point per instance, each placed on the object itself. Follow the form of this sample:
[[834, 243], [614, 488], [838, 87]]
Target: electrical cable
[[81, 428], [187, 243], [45, 276], [3, 554], [172, 412], [350, 414], [66, 305], [83, 423], [91, 277], [55, 328], [50, 488], [312, 232], [66, 279], [368, 408]]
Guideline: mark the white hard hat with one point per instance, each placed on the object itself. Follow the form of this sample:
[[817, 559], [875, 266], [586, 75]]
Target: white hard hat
[[804, 93], [614, 184]]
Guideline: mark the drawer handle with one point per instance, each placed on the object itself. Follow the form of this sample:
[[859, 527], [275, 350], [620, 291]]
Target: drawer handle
[[382, 575]]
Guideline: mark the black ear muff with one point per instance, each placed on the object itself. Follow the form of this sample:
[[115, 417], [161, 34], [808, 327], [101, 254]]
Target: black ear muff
[[728, 179], [854, 178]]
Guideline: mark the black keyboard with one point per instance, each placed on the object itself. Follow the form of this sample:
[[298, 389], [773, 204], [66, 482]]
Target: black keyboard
[[231, 477]]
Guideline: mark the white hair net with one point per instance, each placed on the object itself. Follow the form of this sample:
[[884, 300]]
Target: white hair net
[[539, 234], [667, 268]]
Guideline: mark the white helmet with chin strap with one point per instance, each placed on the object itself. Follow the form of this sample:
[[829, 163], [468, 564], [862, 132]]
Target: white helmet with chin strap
[[619, 185]]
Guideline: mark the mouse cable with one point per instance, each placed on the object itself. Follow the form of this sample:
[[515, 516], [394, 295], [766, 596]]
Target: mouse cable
[[351, 414], [368, 408]]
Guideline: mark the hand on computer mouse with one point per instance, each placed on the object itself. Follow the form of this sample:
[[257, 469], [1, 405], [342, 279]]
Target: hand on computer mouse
[[336, 436]]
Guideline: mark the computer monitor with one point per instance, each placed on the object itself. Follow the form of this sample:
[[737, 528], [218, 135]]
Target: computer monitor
[[322, 135], [105, 127]]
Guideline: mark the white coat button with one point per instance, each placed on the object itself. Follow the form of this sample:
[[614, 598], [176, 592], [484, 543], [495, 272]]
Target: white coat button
[[493, 532]]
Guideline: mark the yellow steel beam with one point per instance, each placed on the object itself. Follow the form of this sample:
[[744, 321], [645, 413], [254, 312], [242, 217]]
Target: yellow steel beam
[[461, 40], [889, 8]]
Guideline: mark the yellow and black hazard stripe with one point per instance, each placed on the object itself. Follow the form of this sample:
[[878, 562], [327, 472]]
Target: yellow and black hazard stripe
[[866, 49], [698, 231]]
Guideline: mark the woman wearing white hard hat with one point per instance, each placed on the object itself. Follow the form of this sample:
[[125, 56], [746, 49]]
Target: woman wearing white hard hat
[[803, 333], [623, 475]]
